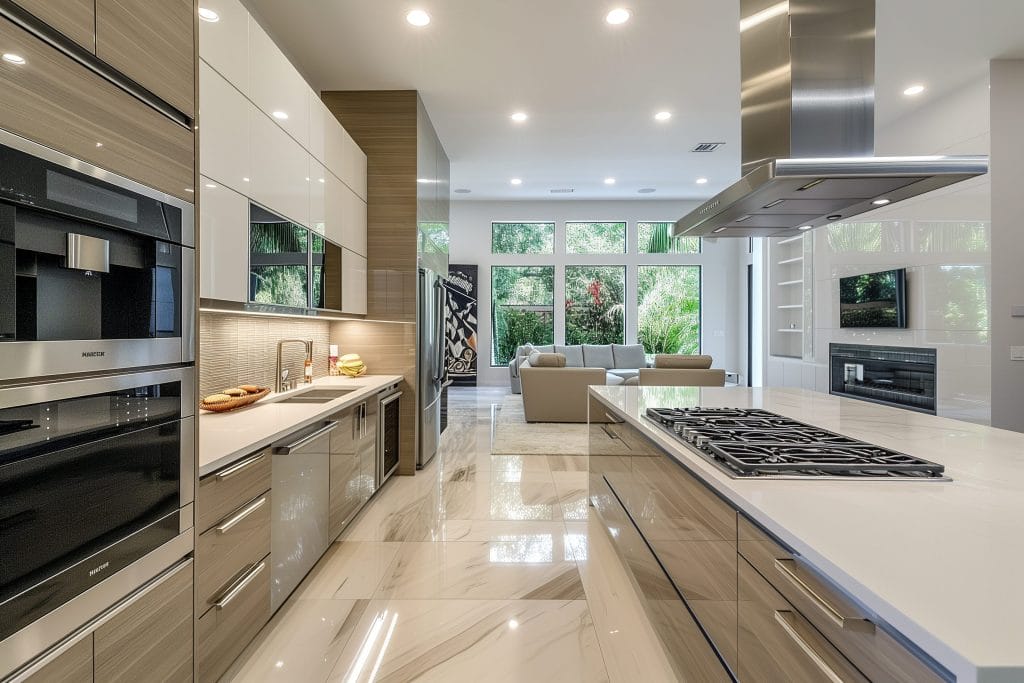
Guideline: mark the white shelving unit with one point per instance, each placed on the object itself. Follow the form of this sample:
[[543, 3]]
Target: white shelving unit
[[789, 269]]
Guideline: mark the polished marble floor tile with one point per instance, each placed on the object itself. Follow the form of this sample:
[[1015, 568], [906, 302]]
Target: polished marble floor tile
[[469, 640], [349, 569], [568, 463], [516, 566]]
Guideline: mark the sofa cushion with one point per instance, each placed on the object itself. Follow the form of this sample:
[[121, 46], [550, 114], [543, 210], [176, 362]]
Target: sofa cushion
[[624, 374], [682, 362], [573, 355], [598, 356], [629, 356], [613, 380], [546, 360], [632, 381]]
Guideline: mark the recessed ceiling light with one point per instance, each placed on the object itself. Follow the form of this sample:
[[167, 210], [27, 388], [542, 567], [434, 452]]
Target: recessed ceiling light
[[619, 15], [915, 89], [208, 15], [646, 190], [519, 116], [212, 186], [609, 181], [702, 181], [718, 230], [805, 227], [245, 180], [663, 116], [418, 17], [13, 58], [881, 202], [516, 181], [279, 115]]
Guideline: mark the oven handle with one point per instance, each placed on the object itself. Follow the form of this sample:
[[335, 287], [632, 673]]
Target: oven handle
[[296, 445], [238, 467], [239, 585], [253, 507], [786, 567]]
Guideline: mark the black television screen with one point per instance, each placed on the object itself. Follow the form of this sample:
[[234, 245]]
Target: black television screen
[[874, 299]]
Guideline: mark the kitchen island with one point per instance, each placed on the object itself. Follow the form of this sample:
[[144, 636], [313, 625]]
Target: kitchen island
[[934, 563]]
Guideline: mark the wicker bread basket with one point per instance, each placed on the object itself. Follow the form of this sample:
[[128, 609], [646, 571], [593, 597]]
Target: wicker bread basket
[[234, 403]]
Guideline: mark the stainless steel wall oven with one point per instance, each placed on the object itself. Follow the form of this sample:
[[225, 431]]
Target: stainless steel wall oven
[[96, 271], [94, 475]]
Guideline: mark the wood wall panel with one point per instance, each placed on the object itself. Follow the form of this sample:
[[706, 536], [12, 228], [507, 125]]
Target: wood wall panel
[[55, 101], [74, 18]]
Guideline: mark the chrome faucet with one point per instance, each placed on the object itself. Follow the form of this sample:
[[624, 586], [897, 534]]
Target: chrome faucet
[[280, 376]]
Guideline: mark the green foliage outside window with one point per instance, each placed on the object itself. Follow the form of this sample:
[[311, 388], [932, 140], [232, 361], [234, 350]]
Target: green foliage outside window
[[595, 238], [655, 238], [669, 309], [279, 258], [522, 238], [522, 309], [595, 305]]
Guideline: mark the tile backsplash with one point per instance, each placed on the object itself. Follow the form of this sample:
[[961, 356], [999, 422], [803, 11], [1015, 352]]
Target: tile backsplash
[[242, 349]]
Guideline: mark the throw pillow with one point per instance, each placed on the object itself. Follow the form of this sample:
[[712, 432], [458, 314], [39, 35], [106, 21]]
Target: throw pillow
[[573, 355], [682, 362], [547, 360], [629, 356], [598, 356]]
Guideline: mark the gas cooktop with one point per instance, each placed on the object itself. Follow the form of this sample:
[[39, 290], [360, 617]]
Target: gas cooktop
[[755, 443]]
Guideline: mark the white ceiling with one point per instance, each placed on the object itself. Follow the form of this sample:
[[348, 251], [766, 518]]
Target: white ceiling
[[591, 89]]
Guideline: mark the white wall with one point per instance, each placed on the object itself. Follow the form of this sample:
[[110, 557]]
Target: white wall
[[911, 230], [470, 231]]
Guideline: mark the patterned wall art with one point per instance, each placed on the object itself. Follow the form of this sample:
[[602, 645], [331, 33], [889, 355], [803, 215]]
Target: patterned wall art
[[461, 325]]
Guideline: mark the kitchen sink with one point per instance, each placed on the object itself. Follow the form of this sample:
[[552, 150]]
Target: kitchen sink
[[317, 396]]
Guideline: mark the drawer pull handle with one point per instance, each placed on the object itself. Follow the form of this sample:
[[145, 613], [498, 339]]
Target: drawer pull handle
[[613, 419], [242, 514], [238, 467], [239, 586], [786, 568], [296, 445], [785, 618], [609, 433]]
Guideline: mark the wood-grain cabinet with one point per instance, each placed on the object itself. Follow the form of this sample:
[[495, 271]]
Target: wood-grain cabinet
[[76, 19], [353, 463], [767, 613], [146, 637]]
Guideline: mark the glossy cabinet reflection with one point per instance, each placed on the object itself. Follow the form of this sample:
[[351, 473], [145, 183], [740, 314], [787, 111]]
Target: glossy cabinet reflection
[[276, 86], [353, 287], [351, 443], [224, 137], [224, 227]]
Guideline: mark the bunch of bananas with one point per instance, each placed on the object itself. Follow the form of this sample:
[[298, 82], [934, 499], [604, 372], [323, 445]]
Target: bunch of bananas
[[351, 365]]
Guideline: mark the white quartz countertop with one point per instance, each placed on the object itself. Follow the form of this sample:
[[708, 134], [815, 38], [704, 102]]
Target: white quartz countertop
[[226, 437], [942, 562]]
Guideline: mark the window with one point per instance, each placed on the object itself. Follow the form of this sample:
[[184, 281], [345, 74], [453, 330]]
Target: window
[[522, 309], [595, 238], [279, 261], [655, 238], [433, 238], [522, 238], [595, 304], [669, 308]]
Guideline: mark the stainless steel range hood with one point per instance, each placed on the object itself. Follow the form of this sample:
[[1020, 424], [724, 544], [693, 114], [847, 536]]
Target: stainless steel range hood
[[807, 71]]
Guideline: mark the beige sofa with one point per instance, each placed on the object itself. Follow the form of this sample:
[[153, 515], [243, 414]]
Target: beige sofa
[[557, 394], [620, 361], [681, 371]]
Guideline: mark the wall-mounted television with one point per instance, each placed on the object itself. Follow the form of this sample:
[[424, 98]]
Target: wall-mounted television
[[874, 299]]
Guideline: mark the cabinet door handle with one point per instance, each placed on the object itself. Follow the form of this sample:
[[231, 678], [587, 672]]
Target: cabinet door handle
[[612, 419], [786, 567], [608, 432], [238, 467], [296, 445], [239, 585], [785, 619], [242, 514]]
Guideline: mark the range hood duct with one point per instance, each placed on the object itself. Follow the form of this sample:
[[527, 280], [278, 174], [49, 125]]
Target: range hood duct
[[808, 126]]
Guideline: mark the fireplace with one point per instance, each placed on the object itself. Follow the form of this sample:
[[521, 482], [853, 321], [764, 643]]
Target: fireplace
[[891, 375]]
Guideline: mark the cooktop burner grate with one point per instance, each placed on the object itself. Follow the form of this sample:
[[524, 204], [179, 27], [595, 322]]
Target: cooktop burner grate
[[758, 443]]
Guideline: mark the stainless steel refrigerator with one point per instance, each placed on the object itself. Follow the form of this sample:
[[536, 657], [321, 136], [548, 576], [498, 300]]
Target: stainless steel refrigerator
[[430, 362]]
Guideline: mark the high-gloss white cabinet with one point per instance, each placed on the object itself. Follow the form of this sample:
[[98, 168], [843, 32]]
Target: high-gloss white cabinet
[[224, 138], [224, 243], [334, 208], [353, 283], [354, 171], [277, 86], [320, 119], [353, 231], [317, 196], [279, 169], [221, 42]]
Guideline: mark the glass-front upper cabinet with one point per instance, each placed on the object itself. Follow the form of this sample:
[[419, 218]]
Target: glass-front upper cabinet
[[291, 266]]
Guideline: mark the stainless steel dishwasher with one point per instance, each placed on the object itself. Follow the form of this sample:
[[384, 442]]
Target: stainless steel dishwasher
[[300, 473]]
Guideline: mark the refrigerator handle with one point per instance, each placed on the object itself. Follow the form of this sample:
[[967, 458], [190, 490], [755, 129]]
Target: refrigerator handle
[[439, 339]]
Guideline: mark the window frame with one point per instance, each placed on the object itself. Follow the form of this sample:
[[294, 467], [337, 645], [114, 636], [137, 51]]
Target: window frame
[[554, 239], [625, 238], [491, 355], [700, 242], [624, 267], [700, 297]]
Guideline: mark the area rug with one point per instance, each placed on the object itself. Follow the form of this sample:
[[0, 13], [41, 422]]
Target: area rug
[[513, 435]]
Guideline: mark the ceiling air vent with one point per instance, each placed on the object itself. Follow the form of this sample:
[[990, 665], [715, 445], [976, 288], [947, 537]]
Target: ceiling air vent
[[707, 147], [563, 190]]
